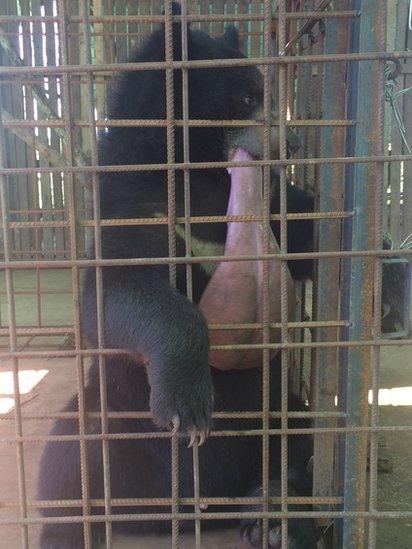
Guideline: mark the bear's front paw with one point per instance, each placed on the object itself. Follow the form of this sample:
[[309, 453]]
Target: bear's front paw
[[186, 406]]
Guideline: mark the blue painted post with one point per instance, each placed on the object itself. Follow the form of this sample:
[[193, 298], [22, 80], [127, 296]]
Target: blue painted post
[[331, 188], [365, 87]]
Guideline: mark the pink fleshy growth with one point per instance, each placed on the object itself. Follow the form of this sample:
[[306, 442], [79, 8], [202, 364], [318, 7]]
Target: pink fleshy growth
[[239, 155]]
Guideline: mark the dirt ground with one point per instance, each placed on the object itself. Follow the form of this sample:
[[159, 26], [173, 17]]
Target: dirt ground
[[56, 381]]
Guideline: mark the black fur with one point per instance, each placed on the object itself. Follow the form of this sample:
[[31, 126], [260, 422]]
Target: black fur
[[157, 324], [229, 466], [301, 532]]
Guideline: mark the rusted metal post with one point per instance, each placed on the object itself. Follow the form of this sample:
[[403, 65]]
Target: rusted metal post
[[330, 189], [362, 186]]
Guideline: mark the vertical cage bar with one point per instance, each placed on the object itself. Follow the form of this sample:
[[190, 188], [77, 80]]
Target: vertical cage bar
[[360, 286], [68, 118], [303, 104], [45, 183], [170, 133], [99, 274], [346, 264], [31, 159], [300, 108], [284, 267], [186, 148], [171, 213], [331, 190], [267, 111], [31, 156], [381, 37], [13, 342], [188, 244]]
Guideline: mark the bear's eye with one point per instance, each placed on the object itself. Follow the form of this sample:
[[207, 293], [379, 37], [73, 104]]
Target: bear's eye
[[248, 100]]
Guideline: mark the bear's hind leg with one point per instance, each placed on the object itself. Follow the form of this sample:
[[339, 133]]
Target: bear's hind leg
[[301, 532], [64, 536]]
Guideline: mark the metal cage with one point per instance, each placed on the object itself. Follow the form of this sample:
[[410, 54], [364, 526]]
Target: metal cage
[[330, 59]]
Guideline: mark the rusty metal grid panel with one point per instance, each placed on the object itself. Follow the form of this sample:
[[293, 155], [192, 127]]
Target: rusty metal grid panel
[[359, 346]]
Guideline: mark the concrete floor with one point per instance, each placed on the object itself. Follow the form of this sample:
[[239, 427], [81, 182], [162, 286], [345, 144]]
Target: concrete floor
[[395, 488], [59, 382]]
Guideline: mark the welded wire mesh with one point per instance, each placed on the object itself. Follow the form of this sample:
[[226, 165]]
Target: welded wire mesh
[[53, 102]]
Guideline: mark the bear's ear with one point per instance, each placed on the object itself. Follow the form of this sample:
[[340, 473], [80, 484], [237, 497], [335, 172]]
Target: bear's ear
[[230, 37]]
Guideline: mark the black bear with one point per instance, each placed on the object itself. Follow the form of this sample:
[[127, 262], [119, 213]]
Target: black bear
[[166, 369]]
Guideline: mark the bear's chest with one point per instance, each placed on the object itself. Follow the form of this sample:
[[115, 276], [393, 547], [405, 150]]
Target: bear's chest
[[201, 248]]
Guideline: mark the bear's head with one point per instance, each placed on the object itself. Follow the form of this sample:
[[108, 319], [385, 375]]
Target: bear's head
[[214, 93]]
